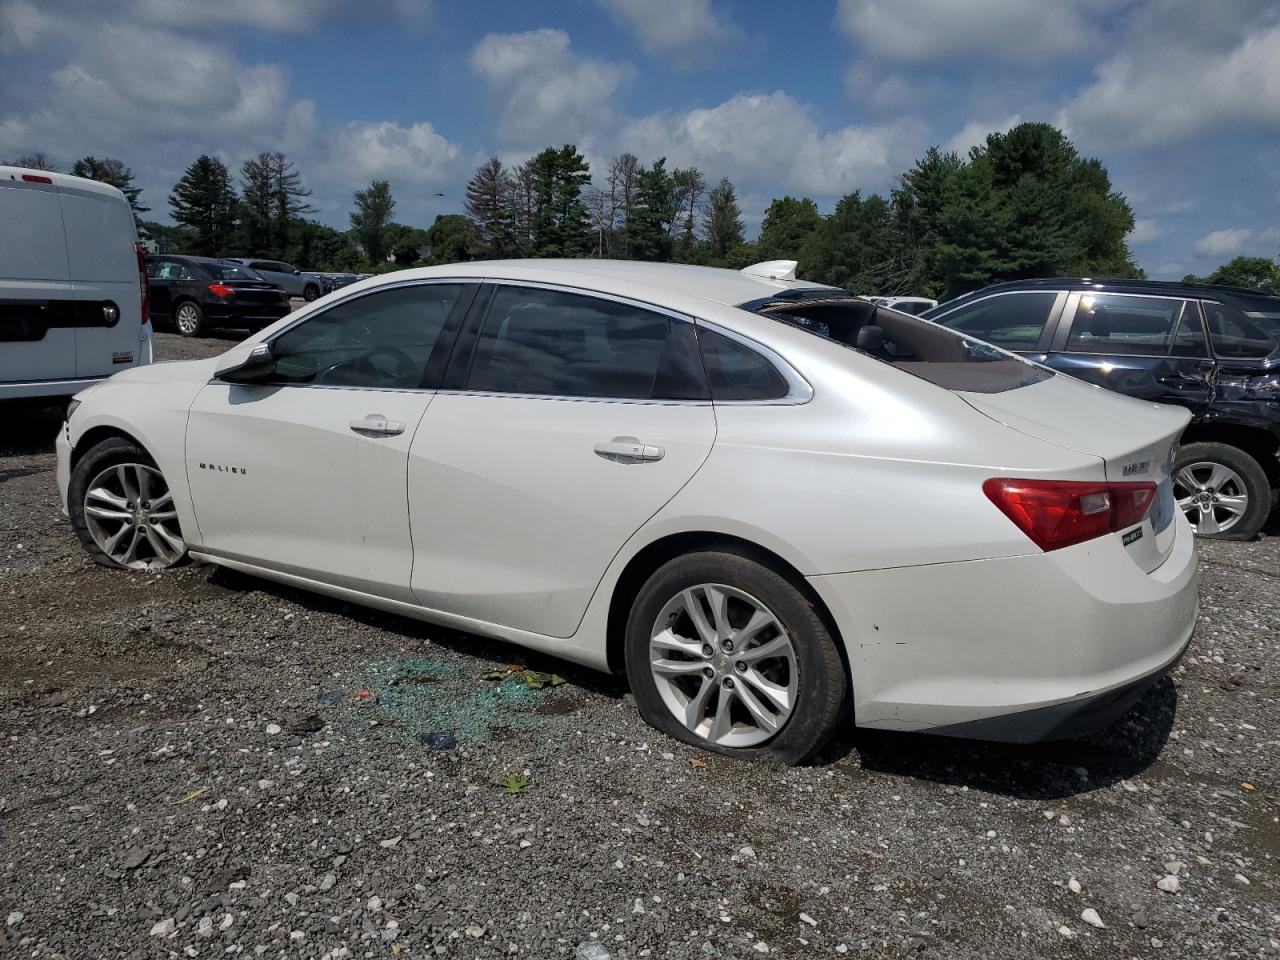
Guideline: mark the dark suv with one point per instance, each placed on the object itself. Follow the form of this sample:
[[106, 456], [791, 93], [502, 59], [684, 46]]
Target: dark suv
[[1214, 350], [196, 293]]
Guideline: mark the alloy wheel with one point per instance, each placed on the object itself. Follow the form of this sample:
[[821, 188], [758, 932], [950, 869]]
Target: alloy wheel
[[188, 318], [1212, 495], [129, 511], [724, 665]]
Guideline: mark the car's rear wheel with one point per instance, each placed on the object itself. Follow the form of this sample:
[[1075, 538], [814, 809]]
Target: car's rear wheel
[[310, 292], [122, 508], [189, 319], [1222, 490], [725, 653]]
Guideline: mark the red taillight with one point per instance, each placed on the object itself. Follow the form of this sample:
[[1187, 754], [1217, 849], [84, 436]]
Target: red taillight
[[144, 286], [36, 178], [1059, 513], [222, 290]]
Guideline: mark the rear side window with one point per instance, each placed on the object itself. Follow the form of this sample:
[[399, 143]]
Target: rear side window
[[1014, 321], [914, 345], [551, 343], [1140, 326], [736, 372], [170, 270], [1239, 336]]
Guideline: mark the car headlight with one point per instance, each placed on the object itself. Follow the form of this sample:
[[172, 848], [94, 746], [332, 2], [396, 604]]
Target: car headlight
[[71, 409]]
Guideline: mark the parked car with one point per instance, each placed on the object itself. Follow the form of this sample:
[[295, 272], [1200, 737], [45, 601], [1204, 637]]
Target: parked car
[[195, 294], [295, 282], [912, 305], [734, 486], [1214, 350], [334, 281], [73, 290]]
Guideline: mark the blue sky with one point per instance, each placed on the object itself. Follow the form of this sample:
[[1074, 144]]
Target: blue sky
[[1179, 98]]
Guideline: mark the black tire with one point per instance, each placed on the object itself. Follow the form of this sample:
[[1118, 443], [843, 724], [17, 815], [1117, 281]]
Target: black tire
[[1252, 476], [310, 292], [116, 450], [822, 695], [189, 314]]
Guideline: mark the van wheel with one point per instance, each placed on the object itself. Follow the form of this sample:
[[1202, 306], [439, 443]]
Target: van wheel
[[1222, 490], [122, 508], [726, 654], [189, 319], [310, 292]]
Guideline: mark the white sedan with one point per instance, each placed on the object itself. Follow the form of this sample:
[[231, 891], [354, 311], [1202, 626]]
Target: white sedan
[[769, 502]]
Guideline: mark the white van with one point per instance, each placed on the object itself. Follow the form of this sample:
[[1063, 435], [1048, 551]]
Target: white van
[[73, 285]]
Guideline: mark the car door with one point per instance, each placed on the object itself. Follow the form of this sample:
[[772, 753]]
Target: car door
[[163, 277], [568, 420], [306, 473], [1149, 347], [1017, 320], [275, 273]]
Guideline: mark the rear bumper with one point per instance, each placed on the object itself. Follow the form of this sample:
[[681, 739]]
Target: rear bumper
[[46, 388], [1026, 648], [257, 314]]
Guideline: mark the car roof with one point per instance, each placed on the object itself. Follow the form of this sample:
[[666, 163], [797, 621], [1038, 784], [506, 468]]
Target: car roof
[[1122, 285], [66, 181], [729, 287]]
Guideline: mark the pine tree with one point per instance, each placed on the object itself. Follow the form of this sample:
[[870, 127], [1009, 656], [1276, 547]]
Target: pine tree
[[288, 200], [111, 171], [651, 214], [257, 205], [524, 200], [205, 201], [371, 220], [723, 223], [489, 204], [560, 225], [691, 191]]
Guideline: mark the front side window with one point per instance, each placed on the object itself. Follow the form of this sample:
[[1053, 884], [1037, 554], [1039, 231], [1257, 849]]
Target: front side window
[[1014, 321], [552, 343], [1139, 326], [382, 339]]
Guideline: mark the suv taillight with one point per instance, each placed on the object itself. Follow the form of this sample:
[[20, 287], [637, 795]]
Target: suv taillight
[[222, 290], [1059, 513], [144, 287]]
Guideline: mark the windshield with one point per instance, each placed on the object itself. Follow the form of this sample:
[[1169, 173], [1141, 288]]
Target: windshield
[[941, 356], [230, 271]]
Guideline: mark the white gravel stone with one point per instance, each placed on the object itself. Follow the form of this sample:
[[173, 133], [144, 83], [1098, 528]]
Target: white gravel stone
[[164, 927], [1090, 916], [1169, 884], [805, 918], [13, 919], [1074, 885], [273, 729]]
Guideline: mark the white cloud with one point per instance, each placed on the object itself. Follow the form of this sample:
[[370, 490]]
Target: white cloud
[[1223, 243], [361, 152], [975, 133], [1160, 93], [281, 16], [546, 92], [771, 140], [23, 25], [1144, 231], [684, 33], [1020, 31]]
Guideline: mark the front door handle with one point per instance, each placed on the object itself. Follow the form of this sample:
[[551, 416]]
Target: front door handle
[[376, 425], [628, 450]]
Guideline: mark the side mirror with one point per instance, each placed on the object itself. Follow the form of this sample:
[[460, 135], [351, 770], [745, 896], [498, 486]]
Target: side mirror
[[871, 340], [257, 367], [297, 273]]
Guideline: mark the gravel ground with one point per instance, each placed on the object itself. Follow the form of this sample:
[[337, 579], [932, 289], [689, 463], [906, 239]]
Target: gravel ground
[[203, 764]]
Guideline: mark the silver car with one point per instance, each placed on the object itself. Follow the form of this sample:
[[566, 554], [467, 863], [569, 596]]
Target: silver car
[[296, 283]]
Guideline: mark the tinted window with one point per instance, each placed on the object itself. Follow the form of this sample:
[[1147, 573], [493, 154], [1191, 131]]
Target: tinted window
[[1236, 335], [230, 271], [1115, 323], [170, 270], [264, 265], [1012, 320], [382, 339], [563, 344], [914, 345], [736, 372]]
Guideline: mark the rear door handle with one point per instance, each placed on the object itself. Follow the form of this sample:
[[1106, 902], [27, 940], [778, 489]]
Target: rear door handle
[[628, 450], [376, 425]]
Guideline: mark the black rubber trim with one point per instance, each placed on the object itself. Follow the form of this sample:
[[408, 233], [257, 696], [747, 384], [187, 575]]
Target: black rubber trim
[[1062, 721]]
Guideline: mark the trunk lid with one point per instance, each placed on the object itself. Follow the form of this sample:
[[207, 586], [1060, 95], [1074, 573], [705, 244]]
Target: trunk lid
[[256, 291], [1135, 440]]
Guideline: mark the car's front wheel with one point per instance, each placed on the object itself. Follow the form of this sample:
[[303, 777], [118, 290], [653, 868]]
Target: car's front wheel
[[310, 292], [189, 319], [122, 508], [1222, 490], [726, 653]]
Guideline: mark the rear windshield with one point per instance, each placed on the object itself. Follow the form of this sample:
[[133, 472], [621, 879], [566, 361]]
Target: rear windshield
[[941, 356], [230, 271]]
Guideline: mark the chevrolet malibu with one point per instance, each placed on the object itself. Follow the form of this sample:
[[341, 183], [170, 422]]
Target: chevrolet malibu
[[770, 503]]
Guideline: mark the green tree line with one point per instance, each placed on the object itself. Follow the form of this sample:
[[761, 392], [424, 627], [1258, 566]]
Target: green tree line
[[1024, 203]]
